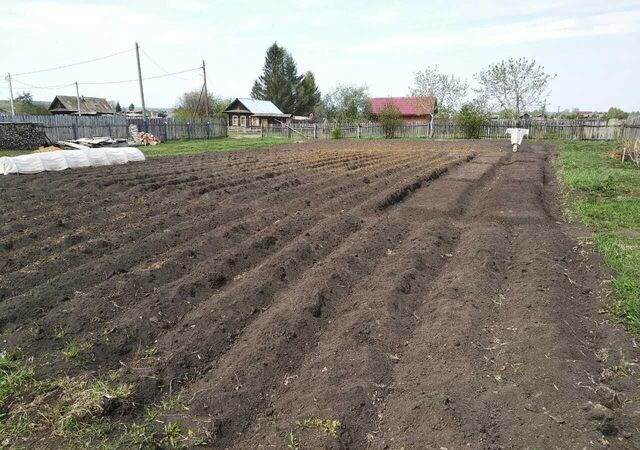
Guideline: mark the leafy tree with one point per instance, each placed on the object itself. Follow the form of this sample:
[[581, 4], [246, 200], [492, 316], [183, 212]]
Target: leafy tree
[[615, 113], [24, 104], [471, 120], [518, 85], [307, 95], [389, 117], [191, 104], [448, 89], [507, 114], [118, 107], [346, 103]]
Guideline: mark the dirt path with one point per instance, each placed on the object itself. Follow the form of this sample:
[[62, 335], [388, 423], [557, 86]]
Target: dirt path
[[380, 295]]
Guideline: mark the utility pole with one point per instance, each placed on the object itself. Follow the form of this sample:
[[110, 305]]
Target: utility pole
[[13, 108], [144, 108], [206, 94], [78, 99]]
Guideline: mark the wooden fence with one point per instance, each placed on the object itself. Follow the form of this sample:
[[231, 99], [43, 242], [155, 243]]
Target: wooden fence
[[60, 128], [168, 129], [494, 129]]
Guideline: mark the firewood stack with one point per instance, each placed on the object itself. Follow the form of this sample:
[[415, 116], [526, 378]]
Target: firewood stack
[[142, 138]]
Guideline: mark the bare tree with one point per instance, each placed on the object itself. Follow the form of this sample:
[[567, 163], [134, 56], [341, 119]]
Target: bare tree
[[448, 89], [518, 85]]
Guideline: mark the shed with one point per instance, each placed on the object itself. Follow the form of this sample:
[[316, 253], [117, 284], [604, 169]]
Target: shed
[[89, 106]]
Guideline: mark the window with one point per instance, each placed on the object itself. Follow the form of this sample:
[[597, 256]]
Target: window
[[234, 121], [243, 121], [256, 121]]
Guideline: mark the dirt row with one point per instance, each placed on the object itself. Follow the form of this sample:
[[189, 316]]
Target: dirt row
[[414, 294]]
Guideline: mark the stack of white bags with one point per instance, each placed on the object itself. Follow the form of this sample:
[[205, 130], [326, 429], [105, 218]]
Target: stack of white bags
[[69, 159]]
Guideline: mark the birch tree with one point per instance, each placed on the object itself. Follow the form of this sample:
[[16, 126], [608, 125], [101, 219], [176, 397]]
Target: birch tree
[[518, 85], [448, 89]]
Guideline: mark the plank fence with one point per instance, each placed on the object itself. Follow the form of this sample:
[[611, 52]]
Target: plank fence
[[169, 129], [61, 128], [493, 129]]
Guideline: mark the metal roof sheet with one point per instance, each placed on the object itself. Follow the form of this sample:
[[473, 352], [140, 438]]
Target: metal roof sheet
[[260, 106]]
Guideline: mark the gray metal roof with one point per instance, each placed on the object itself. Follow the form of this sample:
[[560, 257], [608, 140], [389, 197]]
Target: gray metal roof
[[260, 106]]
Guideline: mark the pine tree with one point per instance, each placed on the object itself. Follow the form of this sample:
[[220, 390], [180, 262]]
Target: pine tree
[[279, 80], [307, 95], [118, 107]]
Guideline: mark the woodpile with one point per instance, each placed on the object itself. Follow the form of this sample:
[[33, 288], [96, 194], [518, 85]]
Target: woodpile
[[21, 136], [141, 138]]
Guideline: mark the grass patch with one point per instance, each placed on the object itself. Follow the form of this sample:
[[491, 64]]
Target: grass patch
[[13, 152], [604, 194], [175, 148], [81, 413]]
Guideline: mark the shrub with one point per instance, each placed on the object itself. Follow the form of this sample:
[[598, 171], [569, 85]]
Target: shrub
[[471, 120], [389, 117], [336, 133]]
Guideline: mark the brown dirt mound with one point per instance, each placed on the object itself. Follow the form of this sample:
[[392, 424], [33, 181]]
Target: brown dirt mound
[[341, 294]]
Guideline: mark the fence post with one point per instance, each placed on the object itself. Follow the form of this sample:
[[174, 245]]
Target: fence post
[[261, 130], [208, 131], [315, 131], [74, 130], [359, 128], [188, 130]]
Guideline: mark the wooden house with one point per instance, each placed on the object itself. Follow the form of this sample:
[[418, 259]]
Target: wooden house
[[89, 106], [249, 113]]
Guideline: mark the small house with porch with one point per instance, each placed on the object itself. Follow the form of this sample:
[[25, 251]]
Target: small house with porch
[[249, 113]]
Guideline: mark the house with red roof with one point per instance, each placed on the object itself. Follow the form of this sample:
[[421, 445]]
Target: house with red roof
[[412, 109]]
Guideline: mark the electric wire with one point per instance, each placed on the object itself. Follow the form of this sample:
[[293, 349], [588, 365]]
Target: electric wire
[[159, 66], [100, 58]]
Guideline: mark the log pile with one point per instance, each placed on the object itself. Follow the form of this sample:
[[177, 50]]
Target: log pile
[[141, 138], [21, 136]]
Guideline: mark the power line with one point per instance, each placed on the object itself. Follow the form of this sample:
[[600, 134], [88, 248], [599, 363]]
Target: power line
[[31, 86], [48, 69], [135, 80], [159, 66]]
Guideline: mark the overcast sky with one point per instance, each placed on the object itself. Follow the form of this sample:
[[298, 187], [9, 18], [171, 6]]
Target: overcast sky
[[592, 45]]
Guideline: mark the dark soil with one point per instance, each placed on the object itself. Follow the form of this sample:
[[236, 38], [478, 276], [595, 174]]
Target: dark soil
[[426, 295]]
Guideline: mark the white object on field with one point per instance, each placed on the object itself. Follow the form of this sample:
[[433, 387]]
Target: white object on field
[[65, 159], [517, 134]]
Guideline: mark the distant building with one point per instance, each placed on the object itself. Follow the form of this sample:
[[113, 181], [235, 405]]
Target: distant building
[[3, 112], [89, 106], [247, 113], [412, 109], [585, 114]]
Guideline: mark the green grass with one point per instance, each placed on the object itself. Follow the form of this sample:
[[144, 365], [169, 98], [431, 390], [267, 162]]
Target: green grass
[[174, 148], [604, 195], [13, 152]]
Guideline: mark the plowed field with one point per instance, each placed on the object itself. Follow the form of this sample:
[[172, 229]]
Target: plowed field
[[339, 294]]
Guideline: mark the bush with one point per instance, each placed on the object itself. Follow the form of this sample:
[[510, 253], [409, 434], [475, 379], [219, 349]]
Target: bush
[[336, 133], [471, 120], [389, 117]]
